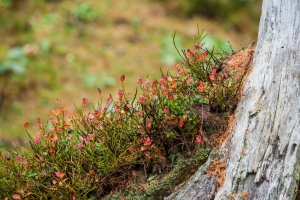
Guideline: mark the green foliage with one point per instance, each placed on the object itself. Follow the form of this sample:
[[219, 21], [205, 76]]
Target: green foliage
[[237, 15], [98, 80], [158, 186], [219, 86], [85, 12], [19, 64], [167, 52], [13, 66], [14, 62], [5, 3], [215, 42], [214, 8], [91, 154]]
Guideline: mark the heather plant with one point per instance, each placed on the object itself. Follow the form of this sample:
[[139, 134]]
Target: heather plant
[[96, 152], [218, 85], [167, 108]]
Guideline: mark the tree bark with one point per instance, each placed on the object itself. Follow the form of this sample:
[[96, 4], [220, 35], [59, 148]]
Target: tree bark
[[265, 153]]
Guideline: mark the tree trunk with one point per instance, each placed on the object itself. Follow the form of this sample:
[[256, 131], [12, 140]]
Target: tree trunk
[[264, 155], [263, 152]]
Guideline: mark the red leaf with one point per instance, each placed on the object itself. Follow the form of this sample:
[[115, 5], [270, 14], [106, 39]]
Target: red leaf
[[54, 182], [202, 55], [26, 125], [212, 74], [72, 197], [148, 142], [181, 123], [99, 91], [122, 78], [170, 96], [143, 148], [37, 138], [190, 53], [213, 71], [198, 139], [108, 101], [57, 112], [198, 46], [16, 196], [84, 101], [147, 81], [180, 71], [163, 80], [38, 121], [59, 175], [140, 80], [21, 160], [120, 93], [201, 88], [190, 80], [118, 103], [166, 110], [155, 82], [52, 150], [126, 107]]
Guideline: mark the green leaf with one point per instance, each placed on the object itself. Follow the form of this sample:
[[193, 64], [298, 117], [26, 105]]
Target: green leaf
[[32, 175], [170, 135]]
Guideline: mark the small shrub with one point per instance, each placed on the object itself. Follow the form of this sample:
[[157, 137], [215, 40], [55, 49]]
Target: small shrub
[[215, 83], [95, 153]]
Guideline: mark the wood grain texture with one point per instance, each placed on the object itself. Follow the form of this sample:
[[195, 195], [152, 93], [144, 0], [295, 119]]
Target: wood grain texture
[[269, 112], [201, 186], [263, 149]]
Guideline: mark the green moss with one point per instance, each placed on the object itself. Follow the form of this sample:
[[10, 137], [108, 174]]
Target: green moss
[[161, 186]]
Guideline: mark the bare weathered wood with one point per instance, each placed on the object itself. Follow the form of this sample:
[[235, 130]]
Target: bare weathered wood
[[264, 158], [264, 153], [200, 186]]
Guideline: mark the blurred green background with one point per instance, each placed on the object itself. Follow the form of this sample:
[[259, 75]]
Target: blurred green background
[[60, 49]]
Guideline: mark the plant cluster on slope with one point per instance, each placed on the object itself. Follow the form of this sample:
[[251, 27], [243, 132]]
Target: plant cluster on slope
[[140, 145]]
